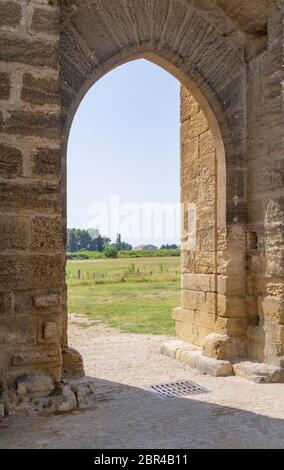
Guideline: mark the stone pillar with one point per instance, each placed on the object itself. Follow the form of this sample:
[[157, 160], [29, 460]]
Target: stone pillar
[[32, 258], [213, 266], [265, 196], [197, 317]]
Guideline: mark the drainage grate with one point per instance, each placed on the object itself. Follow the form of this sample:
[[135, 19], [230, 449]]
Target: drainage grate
[[176, 389]]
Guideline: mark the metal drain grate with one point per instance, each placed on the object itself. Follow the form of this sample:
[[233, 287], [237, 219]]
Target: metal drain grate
[[176, 389]]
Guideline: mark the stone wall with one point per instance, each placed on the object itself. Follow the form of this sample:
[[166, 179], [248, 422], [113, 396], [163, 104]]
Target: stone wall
[[212, 289], [32, 259], [265, 199]]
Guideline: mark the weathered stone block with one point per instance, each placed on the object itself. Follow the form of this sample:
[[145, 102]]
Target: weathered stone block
[[170, 348], [231, 307], [18, 330], [271, 308], [11, 161], [187, 261], [34, 384], [46, 162], [5, 86], [258, 372], [199, 282], [206, 144], [6, 302], [45, 20], [85, 391], [46, 234], [182, 314], [189, 105], [205, 263], [40, 90], [33, 124], [191, 299], [72, 363], [207, 239], [216, 346], [50, 330], [230, 263], [65, 399], [38, 197], [14, 233], [275, 262], [46, 300], [11, 13], [232, 326], [34, 52], [231, 285], [189, 146], [31, 272], [208, 365], [190, 357], [198, 125], [37, 357]]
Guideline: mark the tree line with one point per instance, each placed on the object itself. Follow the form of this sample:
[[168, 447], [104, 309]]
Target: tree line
[[91, 240]]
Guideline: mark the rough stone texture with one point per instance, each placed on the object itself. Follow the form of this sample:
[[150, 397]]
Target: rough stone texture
[[26, 51], [216, 346], [214, 367], [11, 13], [228, 56], [46, 162], [43, 300], [265, 228], [5, 86], [72, 363], [38, 90], [34, 384], [259, 373], [45, 20], [33, 124], [46, 234], [66, 399], [85, 392], [14, 233], [11, 162], [192, 356]]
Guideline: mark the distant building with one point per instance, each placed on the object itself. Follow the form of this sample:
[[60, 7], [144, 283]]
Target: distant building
[[145, 247]]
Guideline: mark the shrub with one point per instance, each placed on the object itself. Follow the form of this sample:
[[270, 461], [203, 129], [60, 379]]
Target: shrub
[[110, 252]]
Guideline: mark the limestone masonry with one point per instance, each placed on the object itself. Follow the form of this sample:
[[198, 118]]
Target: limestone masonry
[[229, 58]]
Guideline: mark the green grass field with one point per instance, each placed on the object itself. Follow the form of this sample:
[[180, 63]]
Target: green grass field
[[136, 296]]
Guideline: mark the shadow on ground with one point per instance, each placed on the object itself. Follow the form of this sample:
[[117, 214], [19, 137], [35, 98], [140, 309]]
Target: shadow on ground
[[129, 417]]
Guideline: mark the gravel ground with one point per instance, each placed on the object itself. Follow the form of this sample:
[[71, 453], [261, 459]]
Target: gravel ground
[[234, 413]]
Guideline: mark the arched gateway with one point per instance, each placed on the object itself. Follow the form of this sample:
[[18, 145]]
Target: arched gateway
[[229, 61]]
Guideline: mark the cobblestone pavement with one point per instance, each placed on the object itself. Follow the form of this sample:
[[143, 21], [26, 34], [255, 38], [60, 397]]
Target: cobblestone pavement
[[234, 414]]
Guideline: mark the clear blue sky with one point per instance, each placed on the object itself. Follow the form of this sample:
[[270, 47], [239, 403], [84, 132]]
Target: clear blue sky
[[125, 141]]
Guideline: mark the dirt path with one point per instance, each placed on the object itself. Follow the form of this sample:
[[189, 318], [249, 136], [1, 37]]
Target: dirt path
[[234, 414]]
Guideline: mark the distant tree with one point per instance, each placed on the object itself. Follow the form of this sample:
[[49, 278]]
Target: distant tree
[[72, 242], [169, 247], [110, 252], [97, 244], [106, 241], [118, 242], [120, 245], [78, 239], [125, 247]]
